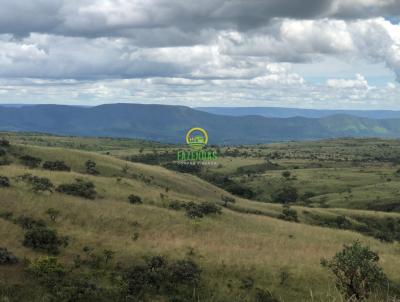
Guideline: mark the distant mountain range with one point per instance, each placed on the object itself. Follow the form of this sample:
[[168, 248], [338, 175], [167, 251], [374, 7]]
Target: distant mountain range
[[169, 123], [293, 112]]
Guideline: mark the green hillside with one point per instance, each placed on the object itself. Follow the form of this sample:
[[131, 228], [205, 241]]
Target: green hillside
[[169, 124], [243, 254]]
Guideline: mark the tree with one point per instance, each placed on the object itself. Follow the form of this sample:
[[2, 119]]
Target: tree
[[287, 195], [356, 270]]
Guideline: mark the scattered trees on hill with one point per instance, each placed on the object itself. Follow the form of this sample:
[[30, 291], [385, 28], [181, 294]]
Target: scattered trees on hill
[[57, 165], [356, 271], [82, 188]]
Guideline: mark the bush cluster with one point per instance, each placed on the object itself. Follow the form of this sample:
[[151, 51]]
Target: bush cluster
[[81, 188], [57, 165], [6, 257], [159, 277], [194, 210], [30, 161], [134, 199], [47, 270], [288, 194], [29, 223], [44, 239], [91, 167], [39, 184], [4, 182], [288, 214], [4, 142]]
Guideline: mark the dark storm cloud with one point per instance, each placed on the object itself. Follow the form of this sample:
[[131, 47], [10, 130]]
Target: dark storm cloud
[[177, 20]]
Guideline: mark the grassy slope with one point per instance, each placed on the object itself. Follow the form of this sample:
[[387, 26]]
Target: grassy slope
[[228, 247]]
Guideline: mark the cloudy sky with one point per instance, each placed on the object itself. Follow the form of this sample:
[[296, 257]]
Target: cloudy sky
[[291, 53]]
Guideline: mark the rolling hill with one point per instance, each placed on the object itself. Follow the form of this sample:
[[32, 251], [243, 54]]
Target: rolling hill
[[282, 112], [244, 254], [170, 123]]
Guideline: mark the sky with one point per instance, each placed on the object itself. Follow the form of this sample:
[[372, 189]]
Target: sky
[[325, 54]]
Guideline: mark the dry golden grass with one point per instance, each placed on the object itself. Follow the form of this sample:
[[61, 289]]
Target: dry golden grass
[[228, 247]]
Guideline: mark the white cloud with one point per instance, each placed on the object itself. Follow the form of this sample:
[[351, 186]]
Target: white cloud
[[217, 51], [359, 82]]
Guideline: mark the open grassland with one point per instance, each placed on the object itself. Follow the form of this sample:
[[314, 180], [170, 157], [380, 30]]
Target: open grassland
[[245, 242]]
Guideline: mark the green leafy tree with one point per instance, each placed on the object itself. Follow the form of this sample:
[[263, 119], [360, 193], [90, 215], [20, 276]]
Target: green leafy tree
[[356, 271]]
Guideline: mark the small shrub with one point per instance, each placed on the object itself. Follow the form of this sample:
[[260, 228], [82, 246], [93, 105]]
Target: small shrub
[[286, 174], [4, 142], [28, 223], [47, 270], [4, 182], [6, 257], [356, 270], [81, 188], [30, 161], [44, 239], [247, 283], [176, 205], [53, 214], [134, 199], [307, 195], [185, 271], [91, 167], [264, 296], [227, 200], [288, 214], [57, 165]]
